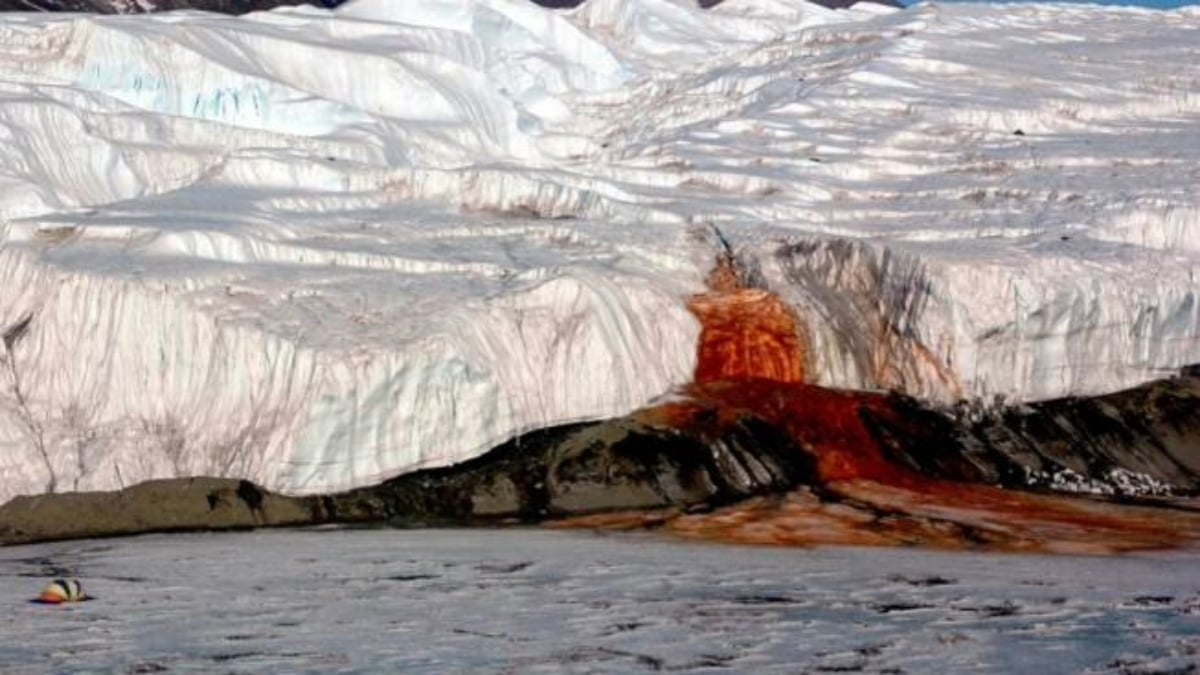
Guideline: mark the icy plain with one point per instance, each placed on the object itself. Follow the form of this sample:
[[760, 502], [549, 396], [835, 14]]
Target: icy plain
[[318, 248], [536, 601]]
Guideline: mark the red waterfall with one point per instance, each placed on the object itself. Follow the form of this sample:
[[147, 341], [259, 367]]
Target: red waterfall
[[752, 360]]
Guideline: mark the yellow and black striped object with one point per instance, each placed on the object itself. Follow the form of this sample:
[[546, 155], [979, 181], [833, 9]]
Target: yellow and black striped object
[[62, 590]]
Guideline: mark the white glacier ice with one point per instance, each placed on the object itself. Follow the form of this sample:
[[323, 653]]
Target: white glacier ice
[[321, 248]]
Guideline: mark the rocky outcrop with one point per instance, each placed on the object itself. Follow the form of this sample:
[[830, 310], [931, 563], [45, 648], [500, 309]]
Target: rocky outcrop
[[617, 465], [624, 464], [175, 505], [1144, 440], [894, 472]]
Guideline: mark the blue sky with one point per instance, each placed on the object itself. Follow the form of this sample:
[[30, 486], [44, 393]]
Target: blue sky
[[1157, 4]]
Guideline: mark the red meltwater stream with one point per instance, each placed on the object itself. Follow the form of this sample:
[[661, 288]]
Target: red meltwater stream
[[752, 361]]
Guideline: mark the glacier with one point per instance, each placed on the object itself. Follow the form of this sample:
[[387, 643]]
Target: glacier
[[320, 248]]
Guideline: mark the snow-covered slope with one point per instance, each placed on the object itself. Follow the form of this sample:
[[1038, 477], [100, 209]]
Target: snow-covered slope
[[318, 248]]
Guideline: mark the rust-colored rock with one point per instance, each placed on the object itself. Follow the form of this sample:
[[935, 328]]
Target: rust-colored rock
[[751, 364], [863, 496]]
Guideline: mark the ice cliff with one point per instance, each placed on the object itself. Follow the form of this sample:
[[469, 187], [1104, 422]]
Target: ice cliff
[[321, 248]]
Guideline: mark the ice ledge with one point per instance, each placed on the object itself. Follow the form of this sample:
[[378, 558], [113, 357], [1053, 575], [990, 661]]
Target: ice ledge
[[982, 327], [122, 379]]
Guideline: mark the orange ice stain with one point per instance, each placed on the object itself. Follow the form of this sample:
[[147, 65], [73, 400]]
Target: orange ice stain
[[751, 361], [745, 333]]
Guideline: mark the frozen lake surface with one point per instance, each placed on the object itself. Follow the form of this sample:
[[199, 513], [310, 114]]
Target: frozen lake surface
[[543, 601]]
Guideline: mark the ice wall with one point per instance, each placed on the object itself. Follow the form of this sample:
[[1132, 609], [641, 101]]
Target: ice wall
[[320, 248], [117, 380]]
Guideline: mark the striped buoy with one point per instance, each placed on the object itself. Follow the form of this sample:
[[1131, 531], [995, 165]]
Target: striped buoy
[[62, 590]]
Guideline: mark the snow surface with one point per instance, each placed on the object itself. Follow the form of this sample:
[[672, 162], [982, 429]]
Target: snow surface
[[321, 248], [528, 601]]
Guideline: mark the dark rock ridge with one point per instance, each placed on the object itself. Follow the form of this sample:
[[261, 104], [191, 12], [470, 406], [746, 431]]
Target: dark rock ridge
[[175, 505], [707, 459], [1102, 444], [623, 464]]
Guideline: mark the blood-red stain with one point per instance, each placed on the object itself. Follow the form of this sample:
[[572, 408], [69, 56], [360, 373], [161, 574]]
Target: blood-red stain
[[747, 334], [751, 361]]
